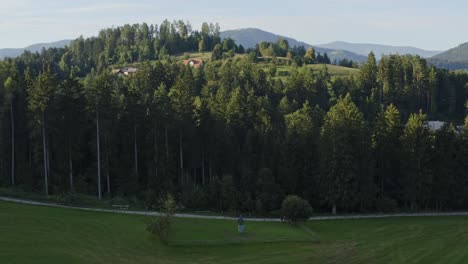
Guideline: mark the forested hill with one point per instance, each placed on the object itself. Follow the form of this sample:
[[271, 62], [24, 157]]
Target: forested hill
[[379, 50], [453, 59], [231, 135], [250, 37], [15, 52]]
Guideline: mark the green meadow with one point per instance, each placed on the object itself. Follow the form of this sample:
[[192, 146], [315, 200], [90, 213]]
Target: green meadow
[[34, 234]]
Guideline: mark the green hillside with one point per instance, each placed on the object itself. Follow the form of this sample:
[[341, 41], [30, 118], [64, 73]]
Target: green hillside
[[453, 59], [335, 70], [31, 234], [283, 71]]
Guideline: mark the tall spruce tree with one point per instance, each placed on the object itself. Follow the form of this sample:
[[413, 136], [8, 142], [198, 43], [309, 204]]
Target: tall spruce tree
[[182, 98], [40, 96], [10, 89], [416, 141], [343, 137], [386, 146]]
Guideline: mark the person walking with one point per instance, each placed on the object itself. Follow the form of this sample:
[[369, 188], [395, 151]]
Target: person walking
[[240, 224]]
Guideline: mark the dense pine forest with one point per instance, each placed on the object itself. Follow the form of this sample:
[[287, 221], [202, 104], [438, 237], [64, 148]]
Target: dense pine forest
[[231, 135]]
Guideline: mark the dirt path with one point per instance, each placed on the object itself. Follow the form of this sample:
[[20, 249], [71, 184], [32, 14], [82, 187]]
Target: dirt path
[[151, 213]]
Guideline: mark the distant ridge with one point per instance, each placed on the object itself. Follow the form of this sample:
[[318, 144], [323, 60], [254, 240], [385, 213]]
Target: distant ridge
[[379, 50], [452, 59], [15, 52], [249, 37]]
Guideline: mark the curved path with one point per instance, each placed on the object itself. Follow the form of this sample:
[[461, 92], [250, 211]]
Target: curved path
[[151, 213]]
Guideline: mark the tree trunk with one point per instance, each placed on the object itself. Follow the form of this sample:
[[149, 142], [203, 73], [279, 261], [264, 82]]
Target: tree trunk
[[167, 145], [98, 155], [106, 141], [136, 150], [181, 153], [44, 147], [210, 174], [108, 176], [428, 102], [29, 154], [194, 176], [419, 98], [381, 94], [49, 174], [156, 156], [203, 167], [382, 191], [334, 209], [12, 145], [70, 165]]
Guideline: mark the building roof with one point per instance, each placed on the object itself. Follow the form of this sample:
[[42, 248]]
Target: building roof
[[129, 69], [125, 70], [435, 125], [194, 63]]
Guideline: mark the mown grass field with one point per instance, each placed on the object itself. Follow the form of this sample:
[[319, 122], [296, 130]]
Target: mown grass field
[[195, 55], [220, 232], [31, 234], [333, 70]]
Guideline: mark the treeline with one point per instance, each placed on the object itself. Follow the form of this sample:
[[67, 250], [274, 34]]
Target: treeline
[[230, 136], [123, 45], [297, 54], [450, 65], [347, 63]]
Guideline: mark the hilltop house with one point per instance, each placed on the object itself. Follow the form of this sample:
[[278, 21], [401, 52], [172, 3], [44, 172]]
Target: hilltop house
[[125, 71], [435, 125], [194, 63]]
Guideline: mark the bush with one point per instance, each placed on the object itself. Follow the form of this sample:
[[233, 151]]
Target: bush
[[386, 205], [194, 198], [117, 200], [161, 226], [150, 199], [295, 209], [70, 199]]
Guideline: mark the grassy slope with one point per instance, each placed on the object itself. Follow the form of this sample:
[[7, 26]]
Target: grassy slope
[[395, 240], [32, 234], [333, 70], [195, 55], [218, 232]]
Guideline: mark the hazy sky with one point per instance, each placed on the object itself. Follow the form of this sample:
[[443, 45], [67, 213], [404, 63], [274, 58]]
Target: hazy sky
[[428, 24]]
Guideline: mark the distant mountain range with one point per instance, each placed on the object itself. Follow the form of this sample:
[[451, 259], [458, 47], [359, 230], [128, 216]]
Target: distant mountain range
[[379, 50], [249, 37], [15, 52], [452, 59]]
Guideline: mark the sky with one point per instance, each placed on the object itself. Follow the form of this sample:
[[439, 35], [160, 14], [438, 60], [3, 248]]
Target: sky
[[428, 24]]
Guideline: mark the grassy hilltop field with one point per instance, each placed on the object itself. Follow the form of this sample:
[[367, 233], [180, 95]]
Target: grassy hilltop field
[[282, 71], [32, 234]]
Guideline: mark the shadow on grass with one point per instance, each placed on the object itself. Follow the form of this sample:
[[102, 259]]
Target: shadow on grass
[[247, 238]]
